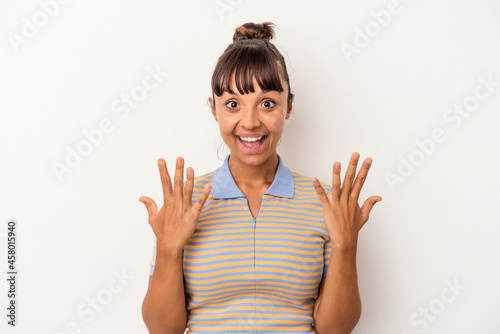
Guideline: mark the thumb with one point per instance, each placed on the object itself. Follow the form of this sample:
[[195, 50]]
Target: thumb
[[150, 206], [368, 205]]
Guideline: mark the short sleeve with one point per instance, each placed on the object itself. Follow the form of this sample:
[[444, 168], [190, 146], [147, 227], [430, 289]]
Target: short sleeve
[[327, 247]]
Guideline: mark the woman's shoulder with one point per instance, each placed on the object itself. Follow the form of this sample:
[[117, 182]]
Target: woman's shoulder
[[201, 180], [301, 182], [305, 182]]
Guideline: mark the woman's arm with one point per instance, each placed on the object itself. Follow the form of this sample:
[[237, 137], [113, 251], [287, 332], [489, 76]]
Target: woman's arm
[[164, 306], [338, 306]]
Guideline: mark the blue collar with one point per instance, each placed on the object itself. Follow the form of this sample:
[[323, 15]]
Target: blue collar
[[223, 185]]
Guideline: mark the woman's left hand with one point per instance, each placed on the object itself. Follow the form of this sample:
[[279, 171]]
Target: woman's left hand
[[343, 216]]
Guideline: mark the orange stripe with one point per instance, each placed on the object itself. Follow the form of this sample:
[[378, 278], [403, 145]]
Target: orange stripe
[[249, 277]]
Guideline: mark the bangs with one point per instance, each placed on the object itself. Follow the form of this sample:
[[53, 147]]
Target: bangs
[[252, 61]]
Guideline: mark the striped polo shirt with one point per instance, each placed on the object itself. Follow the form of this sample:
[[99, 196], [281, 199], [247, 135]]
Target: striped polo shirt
[[246, 275]]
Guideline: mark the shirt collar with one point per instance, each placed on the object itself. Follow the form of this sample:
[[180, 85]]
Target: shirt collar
[[223, 185]]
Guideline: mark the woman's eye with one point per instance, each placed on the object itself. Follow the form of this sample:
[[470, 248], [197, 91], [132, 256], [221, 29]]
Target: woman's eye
[[232, 104], [268, 104]]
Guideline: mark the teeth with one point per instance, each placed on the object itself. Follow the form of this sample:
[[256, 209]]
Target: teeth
[[251, 139]]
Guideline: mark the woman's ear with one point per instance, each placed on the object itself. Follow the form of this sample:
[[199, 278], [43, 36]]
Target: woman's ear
[[289, 108], [212, 106]]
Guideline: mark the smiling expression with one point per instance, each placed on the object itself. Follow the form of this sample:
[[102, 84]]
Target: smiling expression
[[252, 115]]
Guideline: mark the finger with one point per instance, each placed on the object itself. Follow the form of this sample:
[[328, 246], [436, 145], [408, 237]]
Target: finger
[[367, 207], [349, 175], [202, 198], [178, 180], [165, 181], [321, 193], [336, 181], [360, 179], [150, 206], [188, 190]]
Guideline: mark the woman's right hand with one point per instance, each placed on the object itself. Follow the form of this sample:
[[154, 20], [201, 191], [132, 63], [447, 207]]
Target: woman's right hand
[[176, 221]]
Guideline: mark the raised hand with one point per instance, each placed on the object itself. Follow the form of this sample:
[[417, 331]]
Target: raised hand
[[176, 221], [343, 216]]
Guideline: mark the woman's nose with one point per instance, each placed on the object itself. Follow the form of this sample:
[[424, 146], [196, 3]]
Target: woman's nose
[[250, 118]]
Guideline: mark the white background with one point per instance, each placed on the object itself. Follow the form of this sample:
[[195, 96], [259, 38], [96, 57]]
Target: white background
[[436, 225]]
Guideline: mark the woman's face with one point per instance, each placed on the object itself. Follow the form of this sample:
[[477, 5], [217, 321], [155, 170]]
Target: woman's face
[[252, 115]]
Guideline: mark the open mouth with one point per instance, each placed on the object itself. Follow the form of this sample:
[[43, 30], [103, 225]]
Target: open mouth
[[252, 144]]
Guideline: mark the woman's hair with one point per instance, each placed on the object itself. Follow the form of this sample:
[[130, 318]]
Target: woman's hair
[[251, 55]]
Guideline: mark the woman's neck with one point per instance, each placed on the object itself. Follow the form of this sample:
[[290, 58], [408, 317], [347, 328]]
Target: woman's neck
[[254, 177]]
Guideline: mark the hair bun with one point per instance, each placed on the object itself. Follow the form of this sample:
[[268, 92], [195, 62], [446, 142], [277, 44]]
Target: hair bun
[[254, 30]]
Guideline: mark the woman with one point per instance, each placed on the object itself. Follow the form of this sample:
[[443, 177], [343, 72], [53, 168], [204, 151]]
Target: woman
[[246, 248]]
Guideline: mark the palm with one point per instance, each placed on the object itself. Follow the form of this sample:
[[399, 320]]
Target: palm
[[343, 216], [176, 221]]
